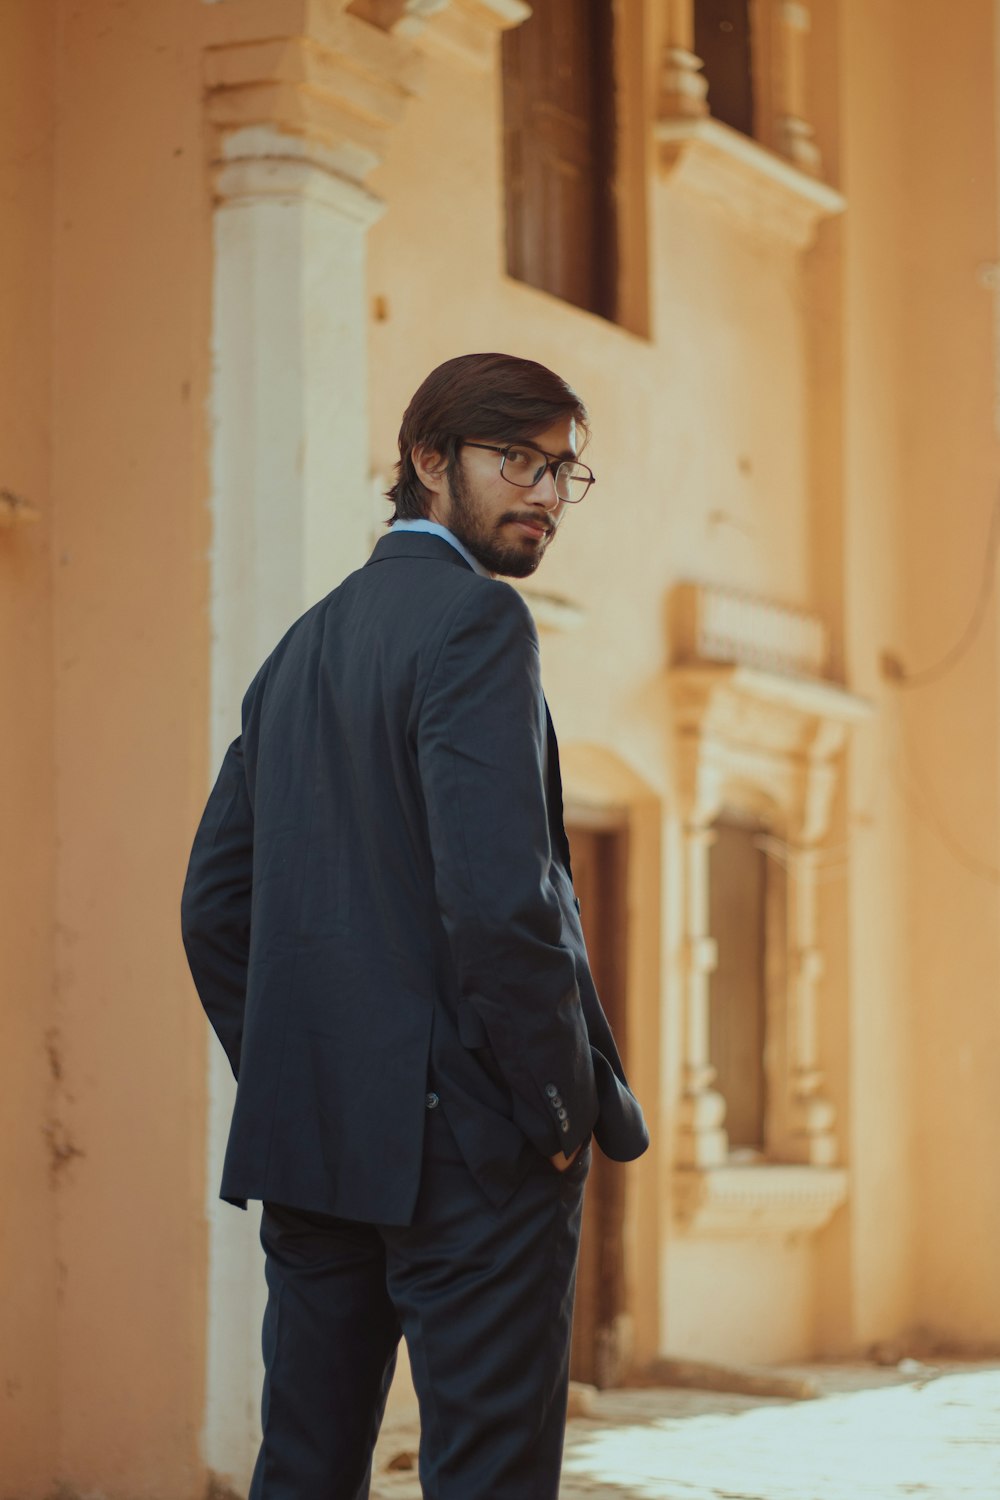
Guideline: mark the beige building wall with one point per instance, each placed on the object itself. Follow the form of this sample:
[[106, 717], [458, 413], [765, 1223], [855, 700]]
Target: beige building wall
[[950, 727], [30, 1128], [867, 1259], [104, 301], [132, 268]]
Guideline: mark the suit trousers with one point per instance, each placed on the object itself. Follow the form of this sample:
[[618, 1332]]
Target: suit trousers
[[483, 1297]]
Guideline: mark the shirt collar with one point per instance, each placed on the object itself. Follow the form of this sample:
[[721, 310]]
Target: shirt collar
[[434, 528]]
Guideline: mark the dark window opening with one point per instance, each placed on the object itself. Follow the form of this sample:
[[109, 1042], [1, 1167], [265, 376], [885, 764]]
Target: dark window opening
[[559, 152], [722, 40], [738, 922]]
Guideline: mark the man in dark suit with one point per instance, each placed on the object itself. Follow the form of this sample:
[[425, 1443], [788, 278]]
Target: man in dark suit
[[380, 921]]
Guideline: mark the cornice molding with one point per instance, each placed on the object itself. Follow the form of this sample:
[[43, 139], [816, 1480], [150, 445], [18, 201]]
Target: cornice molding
[[757, 1199], [337, 91], [261, 166], [312, 71], [745, 734], [758, 189]]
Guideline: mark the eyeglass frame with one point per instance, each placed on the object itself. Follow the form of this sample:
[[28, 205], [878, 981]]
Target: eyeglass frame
[[552, 463]]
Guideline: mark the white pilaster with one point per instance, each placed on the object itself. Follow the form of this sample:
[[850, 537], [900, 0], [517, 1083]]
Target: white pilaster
[[291, 508]]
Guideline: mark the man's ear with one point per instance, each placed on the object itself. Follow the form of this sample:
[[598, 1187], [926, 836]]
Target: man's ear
[[431, 467]]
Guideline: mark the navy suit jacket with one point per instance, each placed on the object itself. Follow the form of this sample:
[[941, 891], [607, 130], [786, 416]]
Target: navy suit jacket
[[379, 902]]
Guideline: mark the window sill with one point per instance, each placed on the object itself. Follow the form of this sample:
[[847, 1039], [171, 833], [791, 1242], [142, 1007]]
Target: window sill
[[757, 188], [756, 1200]]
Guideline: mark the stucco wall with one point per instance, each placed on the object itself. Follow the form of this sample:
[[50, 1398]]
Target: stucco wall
[[950, 728], [866, 1261], [129, 319], [28, 1164]]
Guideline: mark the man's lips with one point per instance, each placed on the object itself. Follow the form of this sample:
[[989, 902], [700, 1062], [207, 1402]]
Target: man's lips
[[536, 529]]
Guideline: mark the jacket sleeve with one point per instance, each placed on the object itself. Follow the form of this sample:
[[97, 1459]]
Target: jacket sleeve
[[215, 905], [481, 746]]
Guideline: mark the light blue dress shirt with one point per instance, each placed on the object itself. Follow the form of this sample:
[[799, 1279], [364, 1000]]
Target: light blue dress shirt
[[434, 528]]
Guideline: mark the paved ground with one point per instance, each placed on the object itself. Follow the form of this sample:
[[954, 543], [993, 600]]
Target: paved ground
[[932, 1434]]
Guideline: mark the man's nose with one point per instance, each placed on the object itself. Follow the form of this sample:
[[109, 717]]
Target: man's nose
[[544, 492]]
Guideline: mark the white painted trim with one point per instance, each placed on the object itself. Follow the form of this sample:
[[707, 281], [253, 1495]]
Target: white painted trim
[[291, 510], [290, 179]]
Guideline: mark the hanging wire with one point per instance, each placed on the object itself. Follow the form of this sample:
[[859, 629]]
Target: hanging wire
[[894, 669], [913, 789], [832, 861]]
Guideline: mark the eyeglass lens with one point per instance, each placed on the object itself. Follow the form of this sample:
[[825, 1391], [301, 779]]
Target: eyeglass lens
[[525, 467]]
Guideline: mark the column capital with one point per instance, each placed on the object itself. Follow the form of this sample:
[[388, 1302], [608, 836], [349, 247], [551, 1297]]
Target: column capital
[[324, 82], [305, 81]]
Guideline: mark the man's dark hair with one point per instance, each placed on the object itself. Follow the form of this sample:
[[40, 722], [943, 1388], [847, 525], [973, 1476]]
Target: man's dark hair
[[496, 397]]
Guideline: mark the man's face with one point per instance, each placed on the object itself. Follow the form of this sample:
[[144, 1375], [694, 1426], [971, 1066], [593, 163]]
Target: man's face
[[505, 527]]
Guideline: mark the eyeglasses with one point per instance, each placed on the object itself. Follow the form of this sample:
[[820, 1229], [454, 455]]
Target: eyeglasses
[[523, 464]]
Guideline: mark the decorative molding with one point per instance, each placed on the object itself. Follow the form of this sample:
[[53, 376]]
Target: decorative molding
[[265, 167], [336, 90], [739, 727], [327, 82], [758, 1199], [757, 188], [683, 86], [796, 140], [765, 745], [726, 625]]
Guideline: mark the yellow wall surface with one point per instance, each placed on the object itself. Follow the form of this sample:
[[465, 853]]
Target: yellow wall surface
[[866, 1260], [131, 321], [950, 727], [30, 1132], [104, 301]]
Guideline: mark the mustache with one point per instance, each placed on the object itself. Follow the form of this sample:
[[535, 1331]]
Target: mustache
[[530, 520]]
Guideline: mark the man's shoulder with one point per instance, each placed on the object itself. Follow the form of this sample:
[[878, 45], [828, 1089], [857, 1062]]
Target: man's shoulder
[[421, 597]]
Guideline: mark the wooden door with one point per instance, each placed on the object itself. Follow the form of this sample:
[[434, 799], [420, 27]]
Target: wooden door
[[599, 873]]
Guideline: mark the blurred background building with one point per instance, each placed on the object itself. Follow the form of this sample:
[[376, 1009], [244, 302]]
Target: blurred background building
[[760, 237]]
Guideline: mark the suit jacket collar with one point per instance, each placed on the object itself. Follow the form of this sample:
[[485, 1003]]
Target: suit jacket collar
[[416, 544], [422, 544]]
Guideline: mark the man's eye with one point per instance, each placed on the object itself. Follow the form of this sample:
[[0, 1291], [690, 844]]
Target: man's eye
[[518, 456]]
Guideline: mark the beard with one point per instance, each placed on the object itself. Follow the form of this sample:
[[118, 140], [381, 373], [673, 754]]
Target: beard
[[483, 536]]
